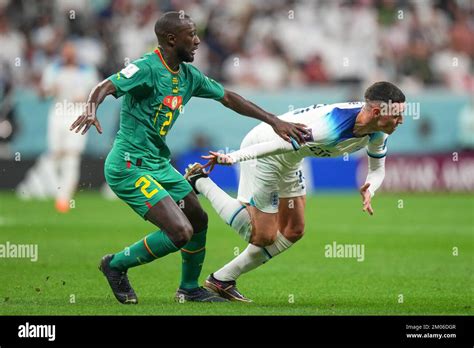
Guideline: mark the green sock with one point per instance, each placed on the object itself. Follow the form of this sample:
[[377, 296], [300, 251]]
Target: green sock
[[153, 246], [193, 254]]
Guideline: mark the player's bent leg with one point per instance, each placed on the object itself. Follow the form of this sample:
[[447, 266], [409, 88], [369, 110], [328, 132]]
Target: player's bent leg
[[290, 221], [193, 254], [291, 225], [166, 215], [264, 228], [175, 231]]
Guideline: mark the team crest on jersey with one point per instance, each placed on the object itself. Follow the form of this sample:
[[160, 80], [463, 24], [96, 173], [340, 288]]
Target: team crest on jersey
[[173, 101]]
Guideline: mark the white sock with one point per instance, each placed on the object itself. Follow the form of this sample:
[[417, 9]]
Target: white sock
[[252, 257], [228, 208], [69, 176]]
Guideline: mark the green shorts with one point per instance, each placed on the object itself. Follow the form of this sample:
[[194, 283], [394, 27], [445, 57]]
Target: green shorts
[[141, 188]]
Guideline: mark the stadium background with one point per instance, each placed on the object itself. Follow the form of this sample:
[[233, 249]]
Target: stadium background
[[282, 55], [261, 49]]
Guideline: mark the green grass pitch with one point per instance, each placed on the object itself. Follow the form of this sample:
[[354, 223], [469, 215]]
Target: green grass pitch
[[408, 251]]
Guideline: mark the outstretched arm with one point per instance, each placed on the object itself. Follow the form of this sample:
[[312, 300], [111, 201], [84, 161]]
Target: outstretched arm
[[244, 107], [269, 148], [96, 97], [373, 182]]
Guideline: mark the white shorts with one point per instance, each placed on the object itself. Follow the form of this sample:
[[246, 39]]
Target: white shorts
[[60, 138], [264, 181]]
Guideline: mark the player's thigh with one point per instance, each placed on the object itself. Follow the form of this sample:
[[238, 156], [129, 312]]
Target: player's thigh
[[135, 186], [291, 220], [175, 184]]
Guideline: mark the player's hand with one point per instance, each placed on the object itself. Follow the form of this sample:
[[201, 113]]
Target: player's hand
[[86, 120], [297, 131], [216, 158], [366, 197]]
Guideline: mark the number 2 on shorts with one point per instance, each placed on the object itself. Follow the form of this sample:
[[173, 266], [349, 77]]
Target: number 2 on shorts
[[145, 183]]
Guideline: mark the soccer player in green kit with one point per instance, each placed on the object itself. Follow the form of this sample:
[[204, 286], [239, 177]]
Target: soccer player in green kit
[[155, 89]]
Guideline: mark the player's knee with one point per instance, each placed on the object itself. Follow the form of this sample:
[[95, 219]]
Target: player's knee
[[263, 240], [295, 233], [181, 234]]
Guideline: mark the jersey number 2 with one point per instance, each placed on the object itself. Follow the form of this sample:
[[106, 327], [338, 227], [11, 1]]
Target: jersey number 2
[[145, 183], [165, 126]]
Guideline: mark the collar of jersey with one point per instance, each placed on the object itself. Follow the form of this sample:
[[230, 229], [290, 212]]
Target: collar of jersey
[[158, 53]]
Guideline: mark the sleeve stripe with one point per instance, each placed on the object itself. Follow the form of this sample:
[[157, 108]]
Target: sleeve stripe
[[376, 156]]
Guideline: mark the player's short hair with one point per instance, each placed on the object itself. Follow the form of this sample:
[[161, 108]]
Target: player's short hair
[[170, 22], [385, 92]]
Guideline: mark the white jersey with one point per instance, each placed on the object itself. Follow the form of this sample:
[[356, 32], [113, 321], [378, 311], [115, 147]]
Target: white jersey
[[331, 133], [331, 136], [71, 84]]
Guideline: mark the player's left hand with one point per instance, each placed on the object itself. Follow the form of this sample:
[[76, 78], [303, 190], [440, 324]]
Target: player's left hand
[[366, 198], [296, 131], [216, 158]]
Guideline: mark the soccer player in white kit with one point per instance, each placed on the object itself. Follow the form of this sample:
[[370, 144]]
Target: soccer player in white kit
[[69, 83], [269, 210]]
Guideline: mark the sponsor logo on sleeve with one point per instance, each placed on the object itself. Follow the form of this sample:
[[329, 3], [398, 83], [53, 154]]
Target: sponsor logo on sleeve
[[130, 70]]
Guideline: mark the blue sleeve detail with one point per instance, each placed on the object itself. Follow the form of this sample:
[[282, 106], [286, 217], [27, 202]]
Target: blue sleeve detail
[[376, 156], [252, 202], [343, 121]]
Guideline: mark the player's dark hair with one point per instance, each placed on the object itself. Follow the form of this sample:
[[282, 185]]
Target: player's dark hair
[[170, 22], [385, 92]]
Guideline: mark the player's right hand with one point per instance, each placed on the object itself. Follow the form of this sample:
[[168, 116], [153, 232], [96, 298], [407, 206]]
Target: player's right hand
[[288, 130], [216, 158], [366, 199], [86, 120]]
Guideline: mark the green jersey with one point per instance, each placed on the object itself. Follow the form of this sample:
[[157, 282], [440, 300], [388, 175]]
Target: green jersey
[[154, 99]]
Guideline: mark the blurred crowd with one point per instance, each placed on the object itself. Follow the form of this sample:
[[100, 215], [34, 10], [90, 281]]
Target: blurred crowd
[[258, 43]]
